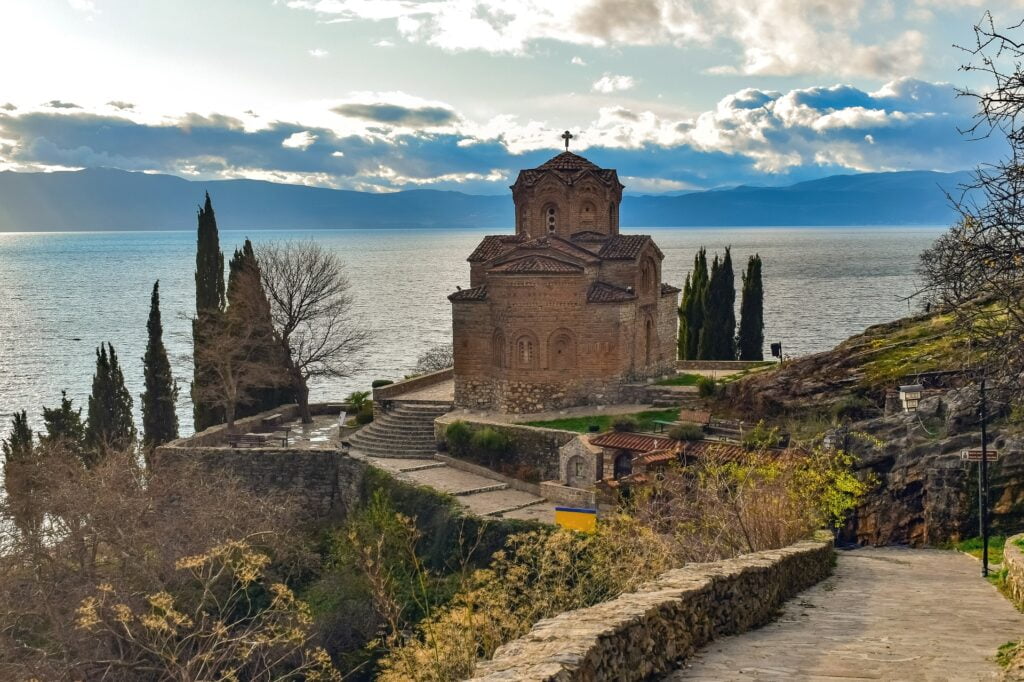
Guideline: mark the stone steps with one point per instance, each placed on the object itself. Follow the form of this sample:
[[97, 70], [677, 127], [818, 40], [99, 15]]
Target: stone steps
[[406, 431]]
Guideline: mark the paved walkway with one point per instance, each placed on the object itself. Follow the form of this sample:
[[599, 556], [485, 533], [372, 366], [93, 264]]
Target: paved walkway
[[886, 614]]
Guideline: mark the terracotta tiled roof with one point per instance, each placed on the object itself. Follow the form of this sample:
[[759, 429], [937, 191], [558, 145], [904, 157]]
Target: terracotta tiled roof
[[624, 246], [537, 264], [657, 457], [621, 440], [475, 294], [494, 245], [715, 450], [567, 161], [602, 292], [667, 289]]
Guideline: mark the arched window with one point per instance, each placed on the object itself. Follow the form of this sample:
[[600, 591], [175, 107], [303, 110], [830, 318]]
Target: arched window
[[561, 350], [498, 350], [623, 465], [526, 352], [648, 276], [551, 217], [588, 213], [650, 338]]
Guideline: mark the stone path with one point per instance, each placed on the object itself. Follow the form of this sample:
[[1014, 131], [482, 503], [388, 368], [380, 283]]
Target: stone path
[[479, 494], [886, 614]]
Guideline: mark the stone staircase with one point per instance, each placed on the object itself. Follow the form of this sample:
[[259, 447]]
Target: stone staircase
[[672, 396], [406, 431]]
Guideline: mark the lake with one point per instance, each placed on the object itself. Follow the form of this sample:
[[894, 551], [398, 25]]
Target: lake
[[61, 294]]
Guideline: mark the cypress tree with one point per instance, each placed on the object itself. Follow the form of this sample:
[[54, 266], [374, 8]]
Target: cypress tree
[[64, 426], [246, 296], [109, 425], [210, 305], [21, 476], [684, 335], [751, 336], [718, 332], [159, 420], [693, 306], [17, 447]]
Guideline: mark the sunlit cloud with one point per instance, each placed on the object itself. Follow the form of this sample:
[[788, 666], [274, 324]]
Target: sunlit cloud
[[609, 83]]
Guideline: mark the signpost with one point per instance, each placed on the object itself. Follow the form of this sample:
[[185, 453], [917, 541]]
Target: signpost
[[975, 454]]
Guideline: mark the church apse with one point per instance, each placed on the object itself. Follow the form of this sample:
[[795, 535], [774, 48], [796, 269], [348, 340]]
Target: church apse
[[566, 310]]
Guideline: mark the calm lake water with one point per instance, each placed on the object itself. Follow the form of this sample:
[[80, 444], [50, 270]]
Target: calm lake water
[[62, 294]]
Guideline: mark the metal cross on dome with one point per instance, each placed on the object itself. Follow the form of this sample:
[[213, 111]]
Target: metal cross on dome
[[567, 136]]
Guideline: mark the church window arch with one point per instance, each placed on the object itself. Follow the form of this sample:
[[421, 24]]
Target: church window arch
[[498, 350], [561, 350], [526, 352], [551, 217], [648, 276], [650, 341], [588, 213]]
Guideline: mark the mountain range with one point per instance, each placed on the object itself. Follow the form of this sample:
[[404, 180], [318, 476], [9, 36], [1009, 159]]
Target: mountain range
[[108, 199]]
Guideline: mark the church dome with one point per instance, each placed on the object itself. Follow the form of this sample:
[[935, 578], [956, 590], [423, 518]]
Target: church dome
[[567, 161]]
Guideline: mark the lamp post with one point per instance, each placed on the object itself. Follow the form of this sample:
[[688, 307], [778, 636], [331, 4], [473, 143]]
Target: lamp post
[[983, 484]]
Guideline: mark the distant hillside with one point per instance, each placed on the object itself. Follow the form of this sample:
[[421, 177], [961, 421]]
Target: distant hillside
[[106, 199]]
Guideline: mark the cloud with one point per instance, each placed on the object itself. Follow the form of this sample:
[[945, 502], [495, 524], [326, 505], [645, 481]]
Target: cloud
[[398, 115], [318, 53], [768, 37], [121, 106], [577, 61], [609, 83], [389, 141], [383, 42], [8, 107], [84, 6], [302, 140], [59, 104]]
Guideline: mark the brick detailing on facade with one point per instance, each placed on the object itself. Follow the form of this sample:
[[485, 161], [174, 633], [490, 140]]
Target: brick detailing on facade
[[405, 429], [648, 632]]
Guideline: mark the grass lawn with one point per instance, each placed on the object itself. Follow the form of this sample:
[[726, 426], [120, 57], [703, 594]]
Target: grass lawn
[[680, 380], [604, 421], [972, 546]]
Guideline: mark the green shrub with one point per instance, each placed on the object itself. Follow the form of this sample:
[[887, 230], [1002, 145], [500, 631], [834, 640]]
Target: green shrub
[[488, 443], [853, 408], [686, 432], [625, 423], [377, 383], [357, 399], [458, 434], [706, 387], [761, 436], [365, 413]]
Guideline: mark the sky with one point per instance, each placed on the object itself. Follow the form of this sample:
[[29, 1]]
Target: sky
[[385, 95]]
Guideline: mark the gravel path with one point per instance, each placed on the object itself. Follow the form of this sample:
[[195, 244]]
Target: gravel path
[[885, 614]]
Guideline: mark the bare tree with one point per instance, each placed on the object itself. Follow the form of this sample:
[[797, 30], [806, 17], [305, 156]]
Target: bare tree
[[435, 358], [976, 270], [234, 353], [311, 309]]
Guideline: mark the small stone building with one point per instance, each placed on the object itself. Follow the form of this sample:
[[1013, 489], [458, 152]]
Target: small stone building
[[566, 310]]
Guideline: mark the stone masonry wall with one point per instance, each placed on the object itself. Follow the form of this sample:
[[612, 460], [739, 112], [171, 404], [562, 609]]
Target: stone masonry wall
[[1013, 562], [414, 384], [536, 449], [648, 632], [717, 364], [311, 480]]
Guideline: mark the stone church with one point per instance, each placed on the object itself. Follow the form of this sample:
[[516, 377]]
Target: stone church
[[566, 310]]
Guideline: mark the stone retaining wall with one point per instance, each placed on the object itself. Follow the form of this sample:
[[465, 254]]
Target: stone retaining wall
[[536, 448], [1013, 562], [396, 389], [462, 465], [650, 631], [718, 364]]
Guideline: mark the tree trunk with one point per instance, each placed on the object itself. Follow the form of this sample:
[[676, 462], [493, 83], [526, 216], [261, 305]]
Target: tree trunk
[[302, 396]]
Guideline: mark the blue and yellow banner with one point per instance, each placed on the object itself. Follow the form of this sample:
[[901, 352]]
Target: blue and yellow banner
[[583, 520]]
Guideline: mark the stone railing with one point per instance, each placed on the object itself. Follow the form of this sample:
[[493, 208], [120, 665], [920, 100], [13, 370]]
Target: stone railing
[[718, 364], [217, 434], [1013, 562], [652, 630], [396, 389]]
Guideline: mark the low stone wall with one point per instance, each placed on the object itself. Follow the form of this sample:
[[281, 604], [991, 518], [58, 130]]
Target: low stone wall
[[215, 435], [718, 364], [1013, 562], [469, 467], [392, 391], [558, 492], [314, 482], [650, 631], [536, 449]]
